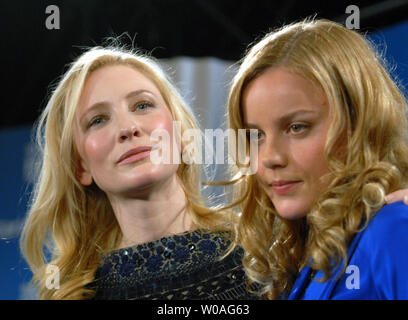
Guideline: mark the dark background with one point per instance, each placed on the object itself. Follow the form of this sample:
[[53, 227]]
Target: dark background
[[33, 57]]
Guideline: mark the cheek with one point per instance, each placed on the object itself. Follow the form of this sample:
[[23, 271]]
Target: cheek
[[162, 121], [262, 178], [311, 159], [259, 175], [262, 172], [96, 147]]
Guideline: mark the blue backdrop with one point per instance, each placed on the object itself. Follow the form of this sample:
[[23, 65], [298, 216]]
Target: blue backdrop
[[16, 165]]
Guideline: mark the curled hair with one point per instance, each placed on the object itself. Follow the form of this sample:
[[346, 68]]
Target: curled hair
[[365, 150], [69, 225]]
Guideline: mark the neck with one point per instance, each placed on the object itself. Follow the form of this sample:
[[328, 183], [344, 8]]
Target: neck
[[155, 215]]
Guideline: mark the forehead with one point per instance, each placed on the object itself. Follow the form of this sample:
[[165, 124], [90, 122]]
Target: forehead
[[112, 82], [280, 90]]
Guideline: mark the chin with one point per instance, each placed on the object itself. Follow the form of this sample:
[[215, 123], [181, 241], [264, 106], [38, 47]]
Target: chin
[[141, 180], [291, 211], [151, 175]]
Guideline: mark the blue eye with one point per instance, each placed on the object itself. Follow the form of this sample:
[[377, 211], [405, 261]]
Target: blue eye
[[142, 106], [96, 121]]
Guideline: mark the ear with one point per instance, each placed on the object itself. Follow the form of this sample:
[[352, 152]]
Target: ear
[[83, 174]]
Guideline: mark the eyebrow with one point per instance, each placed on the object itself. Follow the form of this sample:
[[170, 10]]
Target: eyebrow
[[138, 92], [102, 104], [285, 118]]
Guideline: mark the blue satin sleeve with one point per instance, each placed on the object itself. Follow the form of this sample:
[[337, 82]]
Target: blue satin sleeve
[[378, 265]]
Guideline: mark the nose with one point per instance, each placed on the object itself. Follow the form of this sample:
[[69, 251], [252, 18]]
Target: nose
[[273, 155], [128, 127], [128, 133]]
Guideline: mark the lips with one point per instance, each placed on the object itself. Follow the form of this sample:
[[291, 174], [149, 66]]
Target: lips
[[135, 154], [284, 187]]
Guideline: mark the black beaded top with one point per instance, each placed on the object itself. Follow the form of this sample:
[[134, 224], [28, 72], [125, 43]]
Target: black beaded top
[[182, 266]]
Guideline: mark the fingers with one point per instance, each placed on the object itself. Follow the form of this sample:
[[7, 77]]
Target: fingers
[[400, 195]]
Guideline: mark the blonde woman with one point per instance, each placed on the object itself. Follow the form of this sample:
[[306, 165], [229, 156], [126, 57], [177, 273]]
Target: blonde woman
[[112, 222], [332, 133]]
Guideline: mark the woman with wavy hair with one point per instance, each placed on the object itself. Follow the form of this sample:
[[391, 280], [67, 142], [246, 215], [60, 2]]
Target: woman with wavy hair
[[332, 142], [111, 221]]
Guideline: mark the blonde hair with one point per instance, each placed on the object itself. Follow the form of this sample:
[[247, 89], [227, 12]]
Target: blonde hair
[[369, 130], [70, 225]]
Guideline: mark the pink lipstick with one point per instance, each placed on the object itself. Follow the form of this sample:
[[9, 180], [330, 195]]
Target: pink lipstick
[[284, 187], [134, 155]]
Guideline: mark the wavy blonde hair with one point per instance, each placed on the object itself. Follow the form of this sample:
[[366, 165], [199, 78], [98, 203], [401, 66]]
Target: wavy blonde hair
[[70, 225], [368, 131]]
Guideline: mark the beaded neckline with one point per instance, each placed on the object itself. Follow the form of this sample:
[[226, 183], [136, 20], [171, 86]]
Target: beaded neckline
[[162, 240], [167, 255], [189, 265]]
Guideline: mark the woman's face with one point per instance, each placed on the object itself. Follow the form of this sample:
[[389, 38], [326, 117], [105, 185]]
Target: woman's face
[[118, 110], [293, 120]]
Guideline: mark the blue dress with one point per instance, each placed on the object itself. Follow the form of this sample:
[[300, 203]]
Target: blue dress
[[377, 267]]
